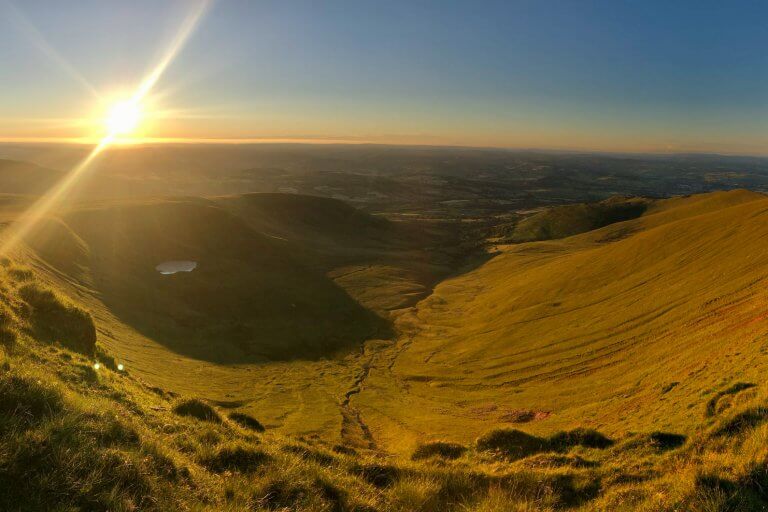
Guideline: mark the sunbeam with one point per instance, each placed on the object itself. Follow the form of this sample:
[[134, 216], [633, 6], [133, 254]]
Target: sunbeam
[[118, 123]]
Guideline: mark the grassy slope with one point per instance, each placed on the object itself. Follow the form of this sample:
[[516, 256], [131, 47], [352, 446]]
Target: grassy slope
[[569, 220], [104, 257], [73, 437], [591, 329], [243, 301], [676, 294], [384, 265]]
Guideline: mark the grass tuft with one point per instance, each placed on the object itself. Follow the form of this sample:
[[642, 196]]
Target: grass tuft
[[26, 399], [247, 421], [511, 443], [196, 408], [237, 458], [441, 449], [53, 319]]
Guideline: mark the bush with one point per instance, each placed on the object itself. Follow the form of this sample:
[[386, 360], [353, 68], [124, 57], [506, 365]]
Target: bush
[[197, 409], [438, 449], [54, 320], [247, 421]]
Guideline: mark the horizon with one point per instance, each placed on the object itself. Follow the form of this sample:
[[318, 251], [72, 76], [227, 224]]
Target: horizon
[[152, 142], [597, 77]]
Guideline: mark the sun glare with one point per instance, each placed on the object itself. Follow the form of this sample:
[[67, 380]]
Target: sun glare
[[123, 118]]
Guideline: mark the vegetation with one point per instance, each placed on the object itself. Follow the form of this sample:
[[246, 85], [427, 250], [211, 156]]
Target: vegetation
[[195, 408], [569, 220], [247, 421], [548, 336], [55, 320], [65, 444]]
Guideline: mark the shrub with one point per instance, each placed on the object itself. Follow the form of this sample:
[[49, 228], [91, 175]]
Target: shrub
[[247, 421], [55, 320], [197, 409], [438, 449]]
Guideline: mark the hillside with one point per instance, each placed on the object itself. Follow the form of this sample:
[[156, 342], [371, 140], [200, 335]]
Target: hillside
[[251, 296], [619, 369], [622, 328], [568, 220]]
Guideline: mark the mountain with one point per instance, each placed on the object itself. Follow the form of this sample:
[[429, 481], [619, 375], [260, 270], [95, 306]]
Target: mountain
[[316, 357]]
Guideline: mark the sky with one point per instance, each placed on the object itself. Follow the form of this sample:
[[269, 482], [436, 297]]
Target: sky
[[639, 76]]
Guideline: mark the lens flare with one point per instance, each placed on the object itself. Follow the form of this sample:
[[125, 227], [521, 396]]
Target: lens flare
[[122, 119]]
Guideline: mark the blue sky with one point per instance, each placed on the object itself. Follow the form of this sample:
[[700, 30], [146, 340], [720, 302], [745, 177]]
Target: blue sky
[[603, 75]]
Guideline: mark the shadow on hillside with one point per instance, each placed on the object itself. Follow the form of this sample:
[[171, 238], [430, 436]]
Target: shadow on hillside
[[231, 323]]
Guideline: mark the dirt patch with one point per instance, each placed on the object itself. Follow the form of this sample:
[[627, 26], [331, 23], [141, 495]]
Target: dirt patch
[[524, 415]]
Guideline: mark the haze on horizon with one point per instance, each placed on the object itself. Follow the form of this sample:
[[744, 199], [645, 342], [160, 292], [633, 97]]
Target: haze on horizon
[[631, 76]]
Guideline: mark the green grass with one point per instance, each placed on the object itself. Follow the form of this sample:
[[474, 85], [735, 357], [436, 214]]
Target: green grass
[[569, 220], [585, 334], [67, 443], [195, 408]]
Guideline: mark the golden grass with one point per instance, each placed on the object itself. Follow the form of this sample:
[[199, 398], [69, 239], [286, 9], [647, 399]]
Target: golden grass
[[625, 333]]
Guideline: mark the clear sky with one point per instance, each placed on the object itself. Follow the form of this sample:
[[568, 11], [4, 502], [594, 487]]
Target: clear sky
[[594, 75]]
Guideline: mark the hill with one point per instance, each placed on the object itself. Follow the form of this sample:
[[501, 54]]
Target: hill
[[622, 328], [569, 220], [619, 369]]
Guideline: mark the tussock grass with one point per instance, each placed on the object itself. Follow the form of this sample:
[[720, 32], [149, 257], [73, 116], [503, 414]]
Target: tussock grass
[[73, 440], [441, 449], [713, 402], [247, 421], [515, 444], [53, 319], [117, 447], [235, 457], [196, 408]]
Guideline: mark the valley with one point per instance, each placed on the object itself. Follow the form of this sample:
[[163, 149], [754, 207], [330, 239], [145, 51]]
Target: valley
[[385, 334]]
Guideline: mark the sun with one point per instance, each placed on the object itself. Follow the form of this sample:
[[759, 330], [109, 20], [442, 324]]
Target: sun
[[123, 117]]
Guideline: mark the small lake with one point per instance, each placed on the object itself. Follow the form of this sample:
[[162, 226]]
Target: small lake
[[172, 267]]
